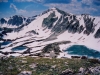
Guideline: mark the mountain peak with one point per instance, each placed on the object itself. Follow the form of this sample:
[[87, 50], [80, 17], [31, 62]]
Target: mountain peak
[[53, 8]]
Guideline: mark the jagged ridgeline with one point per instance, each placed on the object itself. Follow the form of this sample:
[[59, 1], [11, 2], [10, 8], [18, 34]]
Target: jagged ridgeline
[[70, 22], [65, 22], [15, 20]]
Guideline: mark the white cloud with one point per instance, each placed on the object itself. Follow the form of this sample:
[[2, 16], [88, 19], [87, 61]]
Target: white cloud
[[16, 9], [87, 2], [24, 12], [29, 0], [75, 7]]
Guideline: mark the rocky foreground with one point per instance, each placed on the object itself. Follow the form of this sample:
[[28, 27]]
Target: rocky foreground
[[48, 66]]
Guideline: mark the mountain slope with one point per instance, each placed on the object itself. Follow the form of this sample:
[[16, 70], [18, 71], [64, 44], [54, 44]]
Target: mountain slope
[[51, 26]]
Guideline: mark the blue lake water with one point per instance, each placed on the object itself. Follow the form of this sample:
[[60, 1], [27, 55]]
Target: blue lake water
[[6, 43], [18, 48], [82, 50]]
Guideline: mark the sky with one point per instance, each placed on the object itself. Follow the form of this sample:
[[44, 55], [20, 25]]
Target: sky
[[30, 8]]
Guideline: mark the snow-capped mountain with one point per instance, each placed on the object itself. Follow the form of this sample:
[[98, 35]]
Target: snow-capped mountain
[[15, 21], [51, 26]]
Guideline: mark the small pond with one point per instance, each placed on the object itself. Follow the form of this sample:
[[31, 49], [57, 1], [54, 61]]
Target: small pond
[[18, 48], [6, 43]]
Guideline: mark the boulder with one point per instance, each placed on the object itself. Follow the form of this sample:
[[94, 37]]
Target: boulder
[[95, 70], [75, 57], [67, 72], [84, 57], [25, 73], [33, 65]]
